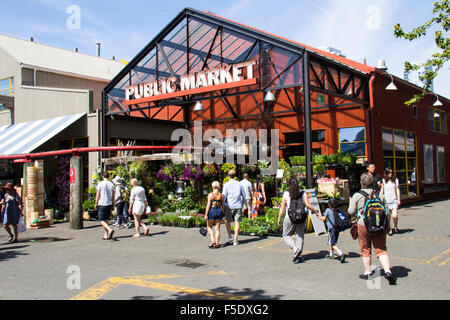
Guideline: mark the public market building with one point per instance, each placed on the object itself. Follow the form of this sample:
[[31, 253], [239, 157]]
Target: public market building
[[203, 67]]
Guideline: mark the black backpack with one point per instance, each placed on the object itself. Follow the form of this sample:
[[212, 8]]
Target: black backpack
[[341, 221], [374, 213], [296, 211]]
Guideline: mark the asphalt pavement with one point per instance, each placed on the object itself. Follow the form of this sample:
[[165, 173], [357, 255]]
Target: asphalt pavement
[[176, 264]]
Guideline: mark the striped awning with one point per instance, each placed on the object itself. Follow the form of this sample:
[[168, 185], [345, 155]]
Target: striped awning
[[25, 137]]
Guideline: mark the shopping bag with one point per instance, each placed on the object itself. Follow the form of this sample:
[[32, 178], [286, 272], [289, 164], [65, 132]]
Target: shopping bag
[[21, 227], [148, 210]]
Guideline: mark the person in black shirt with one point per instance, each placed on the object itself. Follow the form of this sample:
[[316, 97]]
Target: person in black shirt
[[377, 180]]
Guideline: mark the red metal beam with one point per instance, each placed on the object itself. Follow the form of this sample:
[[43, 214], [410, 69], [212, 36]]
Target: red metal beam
[[84, 150]]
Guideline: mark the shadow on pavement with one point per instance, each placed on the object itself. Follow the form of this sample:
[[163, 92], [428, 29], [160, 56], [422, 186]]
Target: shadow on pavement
[[400, 271], [243, 241], [402, 231], [8, 255], [250, 293], [44, 239]]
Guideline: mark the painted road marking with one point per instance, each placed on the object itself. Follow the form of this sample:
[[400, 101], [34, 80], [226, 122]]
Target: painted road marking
[[439, 259], [106, 286]]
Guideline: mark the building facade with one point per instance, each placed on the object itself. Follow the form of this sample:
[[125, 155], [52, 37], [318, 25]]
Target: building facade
[[50, 100]]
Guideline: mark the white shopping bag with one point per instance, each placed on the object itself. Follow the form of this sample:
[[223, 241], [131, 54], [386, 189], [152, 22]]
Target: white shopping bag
[[148, 210], [21, 227]]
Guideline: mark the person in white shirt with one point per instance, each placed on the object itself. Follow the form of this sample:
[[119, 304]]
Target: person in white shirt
[[104, 201], [248, 189], [234, 196], [138, 204], [392, 194]]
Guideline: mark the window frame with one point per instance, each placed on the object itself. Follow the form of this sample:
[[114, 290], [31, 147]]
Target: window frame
[[365, 140], [406, 159], [438, 121]]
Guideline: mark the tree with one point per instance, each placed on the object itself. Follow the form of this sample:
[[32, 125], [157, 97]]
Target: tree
[[441, 19]]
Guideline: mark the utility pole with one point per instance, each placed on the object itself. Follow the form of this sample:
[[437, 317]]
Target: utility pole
[[76, 193]]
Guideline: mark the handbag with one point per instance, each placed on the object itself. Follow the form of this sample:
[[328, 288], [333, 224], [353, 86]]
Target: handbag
[[203, 231], [354, 231], [21, 227], [148, 210]]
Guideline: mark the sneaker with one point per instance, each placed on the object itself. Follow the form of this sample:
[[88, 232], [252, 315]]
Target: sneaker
[[342, 258], [128, 225], [299, 260], [235, 243], [229, 240], [116, 227], [390, 277], [366, 276], [296, 255], [329, 256]]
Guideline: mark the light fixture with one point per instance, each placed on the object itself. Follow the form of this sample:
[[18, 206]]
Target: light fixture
[[391, 86], [381, 64], [437, 103], [198, 106], [269, 97], [436, 114]]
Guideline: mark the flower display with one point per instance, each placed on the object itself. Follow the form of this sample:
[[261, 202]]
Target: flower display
[[192, 173], [166, 173], [62, 181], [210, 170]]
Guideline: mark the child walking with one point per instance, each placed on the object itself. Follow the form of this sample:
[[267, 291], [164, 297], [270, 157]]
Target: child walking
[[333, 225]]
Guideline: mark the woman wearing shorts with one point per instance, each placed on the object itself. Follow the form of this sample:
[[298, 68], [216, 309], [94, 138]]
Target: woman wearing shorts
[[214, 214], [138, 203], [392, 195]]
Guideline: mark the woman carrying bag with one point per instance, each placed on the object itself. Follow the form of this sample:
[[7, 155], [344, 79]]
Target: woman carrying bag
[[138, 205], [11, 211]]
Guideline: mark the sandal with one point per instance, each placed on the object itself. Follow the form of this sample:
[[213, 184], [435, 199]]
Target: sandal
[[11, 238], [147, 232], [212, 245]]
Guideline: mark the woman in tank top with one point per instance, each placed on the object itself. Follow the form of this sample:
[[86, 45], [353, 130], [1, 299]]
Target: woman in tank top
[[214, 214]]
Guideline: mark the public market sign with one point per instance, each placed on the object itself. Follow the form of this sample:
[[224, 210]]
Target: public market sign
[[221, 78]]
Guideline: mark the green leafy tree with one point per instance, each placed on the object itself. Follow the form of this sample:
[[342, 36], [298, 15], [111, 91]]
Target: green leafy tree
[[440, 19]]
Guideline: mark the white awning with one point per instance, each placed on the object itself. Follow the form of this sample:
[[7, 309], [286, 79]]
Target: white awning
[[22, 138]]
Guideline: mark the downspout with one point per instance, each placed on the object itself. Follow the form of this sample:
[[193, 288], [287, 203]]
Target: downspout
[[370, 115]]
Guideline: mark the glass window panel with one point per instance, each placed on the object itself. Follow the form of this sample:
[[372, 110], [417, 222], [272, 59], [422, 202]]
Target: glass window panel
[[400, 164], [388, 149], [440, 164], [401, 176], [411, 164], [403, 191], [412, 185], [410, 138], [411, 151], [428, 163], [443, 122], [358, 148], [399, 137], [352, 134], [389, 162], [400, 149], [430, 119]]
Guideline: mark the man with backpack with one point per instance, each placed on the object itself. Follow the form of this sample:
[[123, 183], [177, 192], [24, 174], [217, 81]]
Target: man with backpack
[[294, 204], [372, 223]]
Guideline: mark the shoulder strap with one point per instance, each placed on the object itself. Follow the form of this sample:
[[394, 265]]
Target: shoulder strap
[[365, 194]]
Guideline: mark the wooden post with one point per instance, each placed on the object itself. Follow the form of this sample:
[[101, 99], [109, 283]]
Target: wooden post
[[76, 193]]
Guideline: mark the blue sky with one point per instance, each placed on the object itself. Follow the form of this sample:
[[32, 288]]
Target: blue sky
[[360, 29]]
